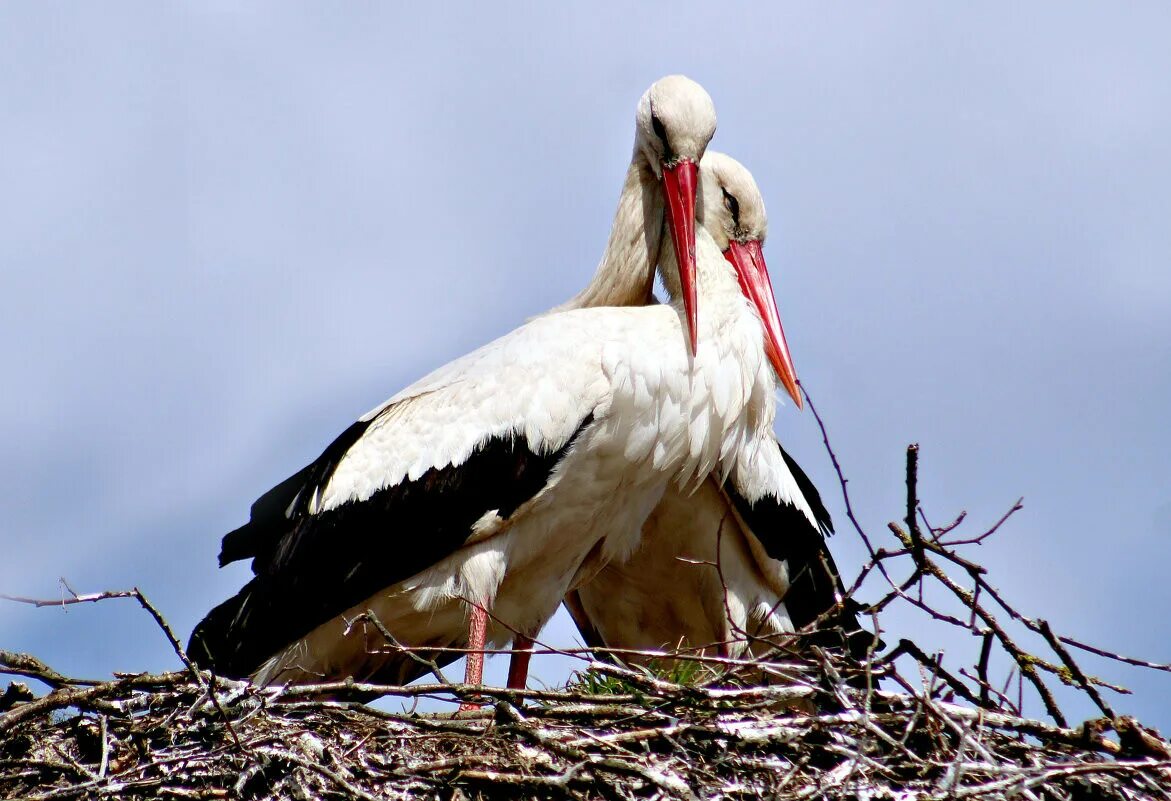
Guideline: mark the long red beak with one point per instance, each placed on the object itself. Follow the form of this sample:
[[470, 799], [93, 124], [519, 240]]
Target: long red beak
[[748, 259], [679, 186]]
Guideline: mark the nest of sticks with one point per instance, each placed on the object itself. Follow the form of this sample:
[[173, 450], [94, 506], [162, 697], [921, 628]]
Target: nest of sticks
[[804, 722]]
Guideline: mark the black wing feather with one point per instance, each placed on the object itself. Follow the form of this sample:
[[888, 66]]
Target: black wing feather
[[311, 568], [812, 496], [272, 513]]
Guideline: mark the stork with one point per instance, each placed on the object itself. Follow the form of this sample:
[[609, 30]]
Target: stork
[[462, 510], [733, 563]]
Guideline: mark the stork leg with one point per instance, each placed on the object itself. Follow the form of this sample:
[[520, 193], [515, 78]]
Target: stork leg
[[518, 665], [477, 634]]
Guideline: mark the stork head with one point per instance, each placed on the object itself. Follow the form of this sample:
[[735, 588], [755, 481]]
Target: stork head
[[675, 121], [732, 211]]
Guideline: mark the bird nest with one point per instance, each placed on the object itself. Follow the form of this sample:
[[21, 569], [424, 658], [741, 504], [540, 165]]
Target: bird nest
[[804, 721], [615, 732]]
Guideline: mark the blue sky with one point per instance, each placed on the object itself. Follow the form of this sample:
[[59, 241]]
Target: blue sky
[[226, 231]]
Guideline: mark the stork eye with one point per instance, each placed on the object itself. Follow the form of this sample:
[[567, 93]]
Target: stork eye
[[660, 131], [733, 205]]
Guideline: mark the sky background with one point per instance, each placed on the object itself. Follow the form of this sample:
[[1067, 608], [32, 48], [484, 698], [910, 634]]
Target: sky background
[[226, 231]]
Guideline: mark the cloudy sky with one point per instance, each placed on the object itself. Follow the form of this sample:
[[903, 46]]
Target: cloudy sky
[[226, 231]]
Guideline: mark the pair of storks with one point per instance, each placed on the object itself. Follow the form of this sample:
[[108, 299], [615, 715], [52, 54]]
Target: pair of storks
[[615, 454]]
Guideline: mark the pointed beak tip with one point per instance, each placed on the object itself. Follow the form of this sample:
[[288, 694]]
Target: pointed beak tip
[[796, 392], [788, 378]]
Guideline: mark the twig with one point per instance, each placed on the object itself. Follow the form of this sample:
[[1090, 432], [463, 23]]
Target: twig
[[913, 501], [1116, 657], [150, 608]]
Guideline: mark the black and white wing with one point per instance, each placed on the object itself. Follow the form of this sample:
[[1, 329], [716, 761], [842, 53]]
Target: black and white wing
[[404, 486], [783, 511]]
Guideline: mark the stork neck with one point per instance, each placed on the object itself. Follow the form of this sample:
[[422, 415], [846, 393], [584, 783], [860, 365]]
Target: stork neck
[[714, 275], [626, 274]]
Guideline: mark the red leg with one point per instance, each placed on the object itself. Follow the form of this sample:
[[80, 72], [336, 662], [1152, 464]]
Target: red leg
[[518, 665], [477, 634]]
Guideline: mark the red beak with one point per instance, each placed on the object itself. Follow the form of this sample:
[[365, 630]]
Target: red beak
[[748, 259], [679, 186]]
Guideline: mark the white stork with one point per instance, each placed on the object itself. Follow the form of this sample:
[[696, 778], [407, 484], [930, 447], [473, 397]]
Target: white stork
[[463, 509], [734, 559]]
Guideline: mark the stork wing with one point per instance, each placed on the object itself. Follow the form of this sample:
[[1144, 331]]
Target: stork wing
[[784, 513], [404, 486]]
